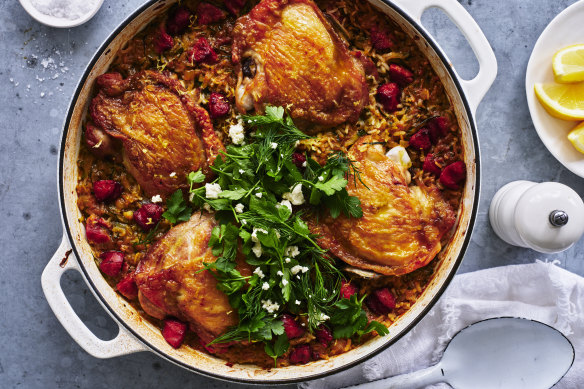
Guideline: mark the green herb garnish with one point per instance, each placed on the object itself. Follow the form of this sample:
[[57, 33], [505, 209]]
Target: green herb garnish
[[349, 319], [255, 189], [178, 209]]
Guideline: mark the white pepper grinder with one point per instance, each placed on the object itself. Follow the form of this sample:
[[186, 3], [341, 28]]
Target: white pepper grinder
[[546, 217]]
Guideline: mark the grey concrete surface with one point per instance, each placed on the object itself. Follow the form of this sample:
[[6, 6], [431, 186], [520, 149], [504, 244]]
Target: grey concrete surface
[[39, 69]]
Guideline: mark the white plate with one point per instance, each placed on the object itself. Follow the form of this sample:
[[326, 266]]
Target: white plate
[[566, 29]]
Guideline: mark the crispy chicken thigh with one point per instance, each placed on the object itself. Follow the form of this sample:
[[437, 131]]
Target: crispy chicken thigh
[[171, 282], [164, 133], [287, 54], [402, 225]]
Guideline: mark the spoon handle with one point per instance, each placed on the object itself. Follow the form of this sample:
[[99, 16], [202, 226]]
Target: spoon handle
[[413, 380]]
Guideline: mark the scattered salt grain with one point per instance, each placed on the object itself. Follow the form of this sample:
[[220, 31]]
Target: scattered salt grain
[[47, 62]]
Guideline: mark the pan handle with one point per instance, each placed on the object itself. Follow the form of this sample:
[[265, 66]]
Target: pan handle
[[476, 88], [63, 260]]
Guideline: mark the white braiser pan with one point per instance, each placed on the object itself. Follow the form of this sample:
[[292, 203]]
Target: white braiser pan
[[136, 334]]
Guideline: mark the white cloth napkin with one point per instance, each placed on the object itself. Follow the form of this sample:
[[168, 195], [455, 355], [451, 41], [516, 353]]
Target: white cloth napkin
[[540, 291]]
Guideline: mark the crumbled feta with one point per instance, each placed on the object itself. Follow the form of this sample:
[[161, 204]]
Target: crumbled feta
[[399, 155], [280, 273], [274, 145], [259, 195], [257, 249], [156, 199], [207, 207], [239, 208], [295, 197], [259, 272], [297, 269], [296, 143], [321, 317], [292, 251], [284, 282], [286, 204], [212, 191], [265, 286], [236, 133], [173, 174], [287, 260], [254, 234], [321, 178], [304, 164], [241, 171], [243, 222], [297, 302], [269, 306]]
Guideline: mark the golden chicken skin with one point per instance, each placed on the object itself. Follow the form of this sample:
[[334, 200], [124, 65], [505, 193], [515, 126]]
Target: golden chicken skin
[[165, 135], [171, 280], [287, 54], [402, 225]]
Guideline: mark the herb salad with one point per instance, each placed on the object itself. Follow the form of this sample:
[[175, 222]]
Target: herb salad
[[292, 273]]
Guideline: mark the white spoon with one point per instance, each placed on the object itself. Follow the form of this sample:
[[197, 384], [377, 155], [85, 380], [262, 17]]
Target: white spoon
[[496, 353]]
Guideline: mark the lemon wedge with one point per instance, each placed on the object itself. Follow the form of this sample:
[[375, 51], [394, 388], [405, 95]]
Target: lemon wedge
[[576, 136], [568, 64], [564, 101]]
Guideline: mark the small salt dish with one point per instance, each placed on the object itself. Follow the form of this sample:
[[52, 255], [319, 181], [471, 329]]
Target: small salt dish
[[58, 22]]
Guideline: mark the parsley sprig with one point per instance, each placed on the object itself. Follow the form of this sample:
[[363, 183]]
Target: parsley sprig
[[290, 271]]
